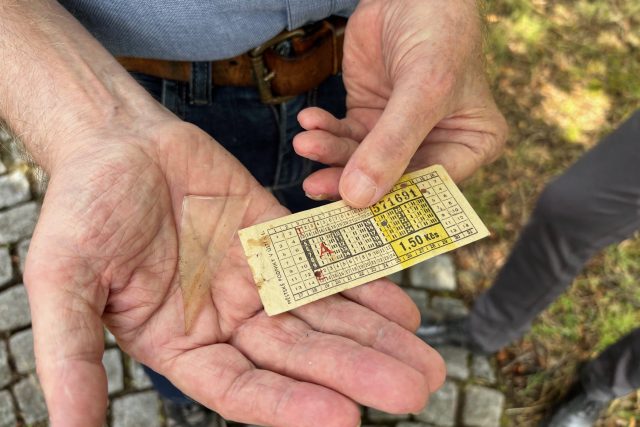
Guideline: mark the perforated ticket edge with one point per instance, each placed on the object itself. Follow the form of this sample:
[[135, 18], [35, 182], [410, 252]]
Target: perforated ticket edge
[[256, 243]]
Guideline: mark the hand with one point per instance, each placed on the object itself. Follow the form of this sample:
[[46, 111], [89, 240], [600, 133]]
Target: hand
[[105, 250], [416, 95]]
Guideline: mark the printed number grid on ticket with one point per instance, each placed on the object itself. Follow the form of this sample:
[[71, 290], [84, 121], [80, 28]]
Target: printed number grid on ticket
[[310, 255]]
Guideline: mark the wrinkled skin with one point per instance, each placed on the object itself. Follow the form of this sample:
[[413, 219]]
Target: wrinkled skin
[[105, 250], [417, 95]]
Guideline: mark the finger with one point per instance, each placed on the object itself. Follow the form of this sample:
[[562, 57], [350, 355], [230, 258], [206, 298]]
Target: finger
[[323, 184], [459, 160], [462, 152], [387, 299], [317, 118], [384, 154], [221, 378], [338, 316], [483, 130], [324, 147], [68, 339], [287, 345]]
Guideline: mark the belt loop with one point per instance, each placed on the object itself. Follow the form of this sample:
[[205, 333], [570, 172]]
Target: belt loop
[[200, 87], [334, 46]]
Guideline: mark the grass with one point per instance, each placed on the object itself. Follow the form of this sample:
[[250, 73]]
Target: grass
[[565, 73]]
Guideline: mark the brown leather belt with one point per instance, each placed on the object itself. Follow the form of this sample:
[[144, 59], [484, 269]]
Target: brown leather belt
[[316, 54]]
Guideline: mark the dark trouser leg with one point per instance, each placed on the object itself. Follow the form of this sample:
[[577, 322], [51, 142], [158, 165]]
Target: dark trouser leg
[[616, 371], [593, 204]]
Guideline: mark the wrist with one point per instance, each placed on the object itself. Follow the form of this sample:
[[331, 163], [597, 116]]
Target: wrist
[[61, 86], [100, 138]]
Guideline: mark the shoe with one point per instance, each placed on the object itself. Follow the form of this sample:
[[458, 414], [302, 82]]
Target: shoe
[[190, 414], [577, 411], [454, 332]]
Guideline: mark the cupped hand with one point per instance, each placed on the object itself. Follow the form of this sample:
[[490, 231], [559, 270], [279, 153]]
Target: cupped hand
[[106, 251], [417, 95]]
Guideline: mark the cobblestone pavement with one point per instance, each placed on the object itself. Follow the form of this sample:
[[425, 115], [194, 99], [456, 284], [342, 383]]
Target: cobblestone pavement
[[469, 397]]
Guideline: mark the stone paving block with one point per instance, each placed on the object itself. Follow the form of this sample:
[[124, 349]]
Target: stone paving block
[[442, 407], [30, 400], [456, 359], [420, 297], [482, 407], [481, 368], [14, 308], [13, 152], [14, 189], [136, 410], [376, 416], [109, 338], [7, 411], [436, 274], [112, 362], [18, 223], [21, 346], [6, 269], [5, 368], [447, 308], [396, 277], [139, 378], [23, 248]]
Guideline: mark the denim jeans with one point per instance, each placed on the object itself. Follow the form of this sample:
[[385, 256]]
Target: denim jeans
[[258, 135]]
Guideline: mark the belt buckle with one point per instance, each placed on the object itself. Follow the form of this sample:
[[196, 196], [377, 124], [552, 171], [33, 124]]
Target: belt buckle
[[262, 75]]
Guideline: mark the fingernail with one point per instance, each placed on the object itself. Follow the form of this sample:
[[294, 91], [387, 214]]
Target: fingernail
[[317, 197], [359, 189]]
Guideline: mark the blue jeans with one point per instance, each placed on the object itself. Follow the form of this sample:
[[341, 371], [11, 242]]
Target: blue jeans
[[258, 135]]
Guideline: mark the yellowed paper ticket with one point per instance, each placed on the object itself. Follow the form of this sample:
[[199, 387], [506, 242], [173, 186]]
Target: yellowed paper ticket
[[310, 255]]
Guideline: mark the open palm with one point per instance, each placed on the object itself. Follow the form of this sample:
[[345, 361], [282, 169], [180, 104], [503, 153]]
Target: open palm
[[106, 251]]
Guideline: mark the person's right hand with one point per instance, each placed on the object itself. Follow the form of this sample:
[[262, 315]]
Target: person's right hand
[[106, 250], [417, 95]]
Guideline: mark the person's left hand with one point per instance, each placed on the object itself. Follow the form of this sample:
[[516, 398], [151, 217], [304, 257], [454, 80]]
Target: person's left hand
[[105, 250], [417, 95]]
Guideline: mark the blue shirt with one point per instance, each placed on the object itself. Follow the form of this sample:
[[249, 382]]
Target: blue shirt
[[195, 30]]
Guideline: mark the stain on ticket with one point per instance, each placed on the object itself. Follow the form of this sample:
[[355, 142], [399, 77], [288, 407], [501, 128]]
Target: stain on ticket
[[310, 255]]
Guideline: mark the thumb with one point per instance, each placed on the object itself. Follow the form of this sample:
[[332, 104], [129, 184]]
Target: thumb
[[66, 304], [385, 152]]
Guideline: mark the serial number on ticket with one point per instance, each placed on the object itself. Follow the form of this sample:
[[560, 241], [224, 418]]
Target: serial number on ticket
[[310, 255]]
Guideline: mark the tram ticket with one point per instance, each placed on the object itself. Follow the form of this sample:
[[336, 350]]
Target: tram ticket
[[310, 255]]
